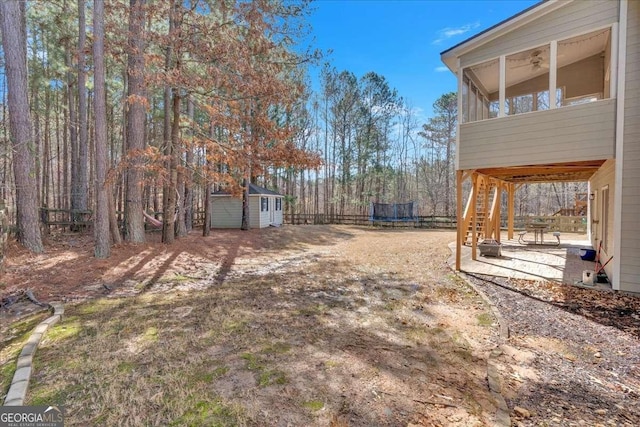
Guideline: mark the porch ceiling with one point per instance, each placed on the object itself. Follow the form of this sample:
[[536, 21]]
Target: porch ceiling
[[572, 172]]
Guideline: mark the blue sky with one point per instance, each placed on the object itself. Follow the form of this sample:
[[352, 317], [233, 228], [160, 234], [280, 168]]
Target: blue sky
[[402, 39]]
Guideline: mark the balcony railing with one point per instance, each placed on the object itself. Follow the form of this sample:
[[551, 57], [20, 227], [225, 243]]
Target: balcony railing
[[572, 133]]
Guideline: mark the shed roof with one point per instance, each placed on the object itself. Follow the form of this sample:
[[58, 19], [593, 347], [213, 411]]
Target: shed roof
[[253, 190]]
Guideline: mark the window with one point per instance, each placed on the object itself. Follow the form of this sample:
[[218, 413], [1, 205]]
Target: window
[[472, 102], [494, 109], [465, 101], [479, 88], [264, 204], [278, 204], [584, 67]]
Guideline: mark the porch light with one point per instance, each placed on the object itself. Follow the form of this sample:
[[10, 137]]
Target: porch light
[[592, 196]]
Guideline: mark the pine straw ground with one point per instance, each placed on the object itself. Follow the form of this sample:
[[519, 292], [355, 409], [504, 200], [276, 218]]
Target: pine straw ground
[[314, 326], [293, 326]]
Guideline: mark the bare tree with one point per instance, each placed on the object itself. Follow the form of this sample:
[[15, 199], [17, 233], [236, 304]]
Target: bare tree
[[14, 43]]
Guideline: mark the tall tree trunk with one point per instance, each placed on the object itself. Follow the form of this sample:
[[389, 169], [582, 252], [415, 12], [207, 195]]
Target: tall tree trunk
[[245, 203], [73, 130], [114, 228], [102, 190], [46, 149], [14, 43], [81, 196], [181, 228], [59, 191], [169, 217], [188, 189], [208, 188], [171, 134], [135, 123]]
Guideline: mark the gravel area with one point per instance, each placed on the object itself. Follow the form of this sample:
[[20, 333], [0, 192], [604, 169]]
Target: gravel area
[[573, 355]]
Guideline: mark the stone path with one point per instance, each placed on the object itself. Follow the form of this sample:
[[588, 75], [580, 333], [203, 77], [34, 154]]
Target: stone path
[[20, 383]]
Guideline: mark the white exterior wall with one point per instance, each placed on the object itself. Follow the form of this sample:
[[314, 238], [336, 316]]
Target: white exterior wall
[[575, 18], [226, 212], [261, 219], [603, 178], [568, 134], [630, 223], [255, 216]]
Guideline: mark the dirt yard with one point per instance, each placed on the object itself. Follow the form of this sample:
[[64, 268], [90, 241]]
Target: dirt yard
[[312, 326], [318, 325]]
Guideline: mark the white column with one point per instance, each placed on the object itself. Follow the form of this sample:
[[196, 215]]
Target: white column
[[553, 73], [613, 73], [503, 82]]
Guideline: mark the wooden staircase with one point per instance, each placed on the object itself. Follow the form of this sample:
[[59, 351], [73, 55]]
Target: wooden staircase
[[480, 219], [485, 193]]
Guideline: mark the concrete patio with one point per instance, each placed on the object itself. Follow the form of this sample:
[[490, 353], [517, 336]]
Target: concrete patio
[[559, 263]]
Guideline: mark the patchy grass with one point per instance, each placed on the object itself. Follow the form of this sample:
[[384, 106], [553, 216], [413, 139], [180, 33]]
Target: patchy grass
[[67, 328], [212, 412], [349, 329], [265, 376], [485, 319], [314, 405], [11, 345]]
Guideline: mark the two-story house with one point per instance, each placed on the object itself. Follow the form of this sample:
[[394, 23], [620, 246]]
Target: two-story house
[[553, 94]]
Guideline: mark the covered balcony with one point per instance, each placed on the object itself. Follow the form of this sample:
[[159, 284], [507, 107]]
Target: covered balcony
[[551, 103]]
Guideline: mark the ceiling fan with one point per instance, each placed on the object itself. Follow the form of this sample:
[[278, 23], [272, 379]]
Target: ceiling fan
[[536, 61]]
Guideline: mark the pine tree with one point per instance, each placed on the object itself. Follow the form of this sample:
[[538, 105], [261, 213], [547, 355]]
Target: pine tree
[[14, 43]]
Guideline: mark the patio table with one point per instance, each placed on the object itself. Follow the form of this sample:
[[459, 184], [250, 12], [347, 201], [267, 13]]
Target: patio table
[[538, 230]]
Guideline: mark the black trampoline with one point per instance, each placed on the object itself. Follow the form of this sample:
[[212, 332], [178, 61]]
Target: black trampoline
[[392, 212]]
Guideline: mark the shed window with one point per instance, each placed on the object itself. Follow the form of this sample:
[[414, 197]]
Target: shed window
[[264, 204], [278, 204]]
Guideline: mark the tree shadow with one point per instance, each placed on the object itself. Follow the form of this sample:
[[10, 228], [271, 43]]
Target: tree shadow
[[68, 270], [368, 345]]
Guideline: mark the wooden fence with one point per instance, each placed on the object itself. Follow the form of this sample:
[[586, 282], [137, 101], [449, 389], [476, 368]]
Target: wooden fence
[[572, 224], [419, 222], [73, 219], [81, 220], [567, 224]]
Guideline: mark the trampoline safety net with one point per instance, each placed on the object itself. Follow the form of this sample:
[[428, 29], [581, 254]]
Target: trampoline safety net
[[392, 212]]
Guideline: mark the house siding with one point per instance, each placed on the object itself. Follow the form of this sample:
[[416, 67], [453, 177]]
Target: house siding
[[226, 212], [575, 18], [603, 178], [265, 217], [576, 133], [255, 215], [630, 226]]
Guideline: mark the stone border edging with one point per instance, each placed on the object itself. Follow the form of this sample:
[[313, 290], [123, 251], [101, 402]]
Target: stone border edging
[[503, 419], [20, 383]]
